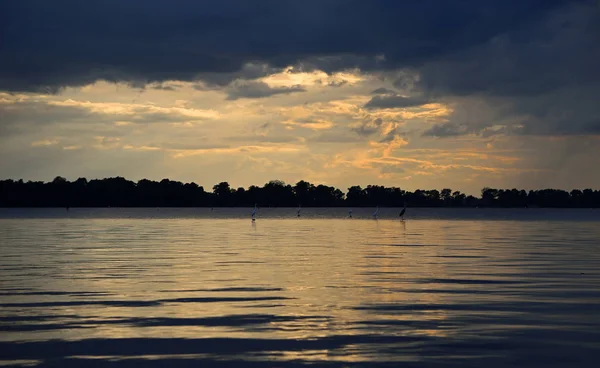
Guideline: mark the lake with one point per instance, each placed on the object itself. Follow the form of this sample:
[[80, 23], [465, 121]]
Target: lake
[[201, 287]]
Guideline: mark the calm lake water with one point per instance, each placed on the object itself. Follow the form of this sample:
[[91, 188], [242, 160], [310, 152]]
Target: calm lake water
[[195, 287]]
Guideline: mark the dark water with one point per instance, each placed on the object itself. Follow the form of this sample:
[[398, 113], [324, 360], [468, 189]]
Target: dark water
[[195, 287]]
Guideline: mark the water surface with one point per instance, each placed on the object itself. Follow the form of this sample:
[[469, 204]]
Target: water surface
[[195, 287]]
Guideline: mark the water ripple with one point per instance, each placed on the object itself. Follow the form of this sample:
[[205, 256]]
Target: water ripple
[[140, 287]]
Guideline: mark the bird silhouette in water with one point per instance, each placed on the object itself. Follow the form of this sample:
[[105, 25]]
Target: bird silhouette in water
[[401, 215]]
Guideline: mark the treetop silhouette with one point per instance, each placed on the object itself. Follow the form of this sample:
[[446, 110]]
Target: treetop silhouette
[[120, 192]]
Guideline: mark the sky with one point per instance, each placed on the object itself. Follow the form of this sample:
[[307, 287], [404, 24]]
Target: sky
[[426, 94]]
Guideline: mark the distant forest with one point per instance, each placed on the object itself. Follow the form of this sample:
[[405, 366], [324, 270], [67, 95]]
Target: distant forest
[[119, 192]]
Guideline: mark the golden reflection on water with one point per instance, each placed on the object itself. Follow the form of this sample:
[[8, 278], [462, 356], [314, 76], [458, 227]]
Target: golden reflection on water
[[353, 288]]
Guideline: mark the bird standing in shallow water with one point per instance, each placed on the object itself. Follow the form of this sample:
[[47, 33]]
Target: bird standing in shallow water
[[402, 213]]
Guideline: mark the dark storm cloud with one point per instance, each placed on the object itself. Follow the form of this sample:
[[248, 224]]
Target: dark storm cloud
[[248, 71], [539, 80], [255, 89], [48, 45], [539, 57], [556, 52]]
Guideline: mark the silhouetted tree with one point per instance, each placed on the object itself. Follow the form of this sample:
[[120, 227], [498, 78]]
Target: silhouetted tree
[[223, 194], [446, 195], [304, 193], [458, 199], [278, 194], [356, 196], [119, 192]]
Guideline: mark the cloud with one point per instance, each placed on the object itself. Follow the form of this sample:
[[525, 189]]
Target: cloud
[[394, 101], [236, 150], [138, 112], [254, 89], [392, 135], [446, 130], [312, 124], [383, 91], [335, 137], [72, 148], [164, 87], [427, 166], [45, 142], [368, 127], [392, 170], [538, 79], [23, 114], [107, 143], [123, 41], [176, 146], [248, 71], [337, 83], [220, 80], [263, 138]]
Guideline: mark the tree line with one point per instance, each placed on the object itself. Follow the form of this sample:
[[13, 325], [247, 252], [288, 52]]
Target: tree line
[[120, 192]]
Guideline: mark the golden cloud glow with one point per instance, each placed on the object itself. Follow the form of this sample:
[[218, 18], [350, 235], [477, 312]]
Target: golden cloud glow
[[71, 148], [275, 148], [323, 134], [45, 142], [115, 108], [387, 148], [141, 148], [310, 124], [288, 78], [246, 149]]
